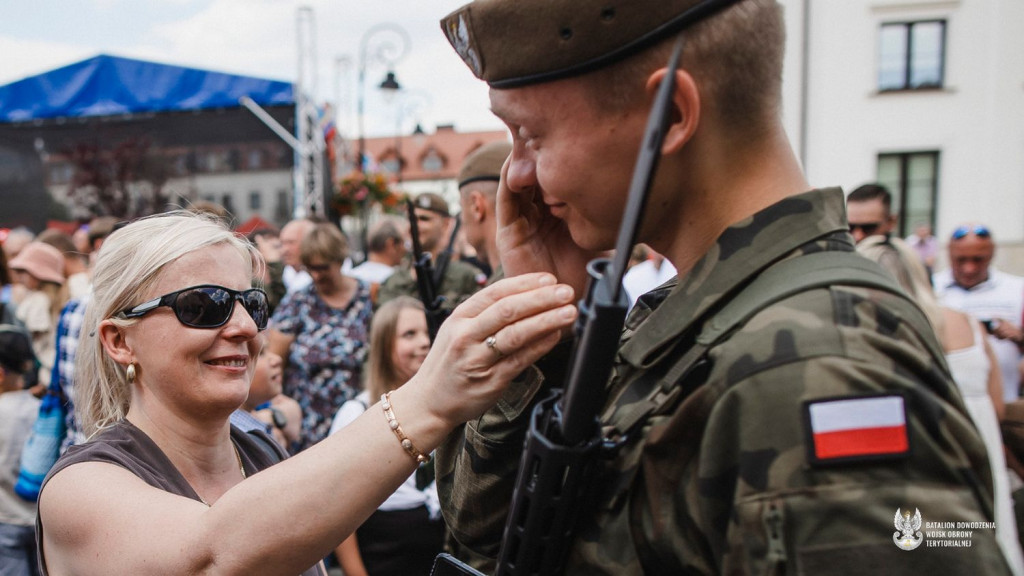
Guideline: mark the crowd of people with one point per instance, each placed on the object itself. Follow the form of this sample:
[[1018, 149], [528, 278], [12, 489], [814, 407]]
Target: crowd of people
[[203, 402], [314, 357]]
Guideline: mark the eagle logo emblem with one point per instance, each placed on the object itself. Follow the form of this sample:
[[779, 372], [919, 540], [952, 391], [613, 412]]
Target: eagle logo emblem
[[459, 36], [908, 534]]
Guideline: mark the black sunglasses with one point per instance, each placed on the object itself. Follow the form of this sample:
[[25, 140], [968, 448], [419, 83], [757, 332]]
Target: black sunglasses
[[978, 230], [207, 306], [869, 228]]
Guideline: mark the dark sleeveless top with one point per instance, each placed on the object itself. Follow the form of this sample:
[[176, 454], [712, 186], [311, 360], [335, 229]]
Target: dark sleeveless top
[[126, 446]]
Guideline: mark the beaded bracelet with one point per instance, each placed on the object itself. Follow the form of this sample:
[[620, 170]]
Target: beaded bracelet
[[385, 403]]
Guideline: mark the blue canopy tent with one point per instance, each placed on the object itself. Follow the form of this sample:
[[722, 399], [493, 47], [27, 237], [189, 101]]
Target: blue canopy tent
[[109, 85], [106, 100]]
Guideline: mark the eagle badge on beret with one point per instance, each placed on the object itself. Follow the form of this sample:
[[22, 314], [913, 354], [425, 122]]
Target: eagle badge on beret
[[459, 36]]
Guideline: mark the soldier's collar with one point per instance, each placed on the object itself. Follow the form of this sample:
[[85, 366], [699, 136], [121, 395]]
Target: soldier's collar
[[740, 254]]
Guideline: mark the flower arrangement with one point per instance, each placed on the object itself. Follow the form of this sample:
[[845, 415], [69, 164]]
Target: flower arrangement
[[358, 190]]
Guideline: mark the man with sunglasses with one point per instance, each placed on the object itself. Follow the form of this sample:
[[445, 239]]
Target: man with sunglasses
[[869, 211], [994, 297]]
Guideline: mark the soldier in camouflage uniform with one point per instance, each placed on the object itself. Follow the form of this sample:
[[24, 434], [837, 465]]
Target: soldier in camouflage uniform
[[792, 445], [478, 188], [460, 280]]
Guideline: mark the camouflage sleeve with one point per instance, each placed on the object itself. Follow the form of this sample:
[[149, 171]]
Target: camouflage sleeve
[[765, 506], [476, 471], [398, 284], [461, 281], [767, 495]]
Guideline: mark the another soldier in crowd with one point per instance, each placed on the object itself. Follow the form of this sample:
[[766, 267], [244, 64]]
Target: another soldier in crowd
[[478, 186], [801, 434], [458, 281]]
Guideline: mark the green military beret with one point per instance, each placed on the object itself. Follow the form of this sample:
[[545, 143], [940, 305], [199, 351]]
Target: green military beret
[[432, 202], [484, 163], [511, 43]]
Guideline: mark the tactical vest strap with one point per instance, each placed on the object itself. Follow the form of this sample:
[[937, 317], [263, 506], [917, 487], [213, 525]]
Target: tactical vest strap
[[778, 282]]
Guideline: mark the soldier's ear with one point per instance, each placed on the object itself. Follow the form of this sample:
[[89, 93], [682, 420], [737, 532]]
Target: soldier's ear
[[478, 205], [685, 113]]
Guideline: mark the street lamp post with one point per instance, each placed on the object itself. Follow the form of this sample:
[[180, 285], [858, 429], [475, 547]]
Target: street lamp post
[[379, 45], [384, 43]]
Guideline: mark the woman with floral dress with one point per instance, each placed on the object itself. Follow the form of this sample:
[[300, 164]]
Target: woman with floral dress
[[321, 332]]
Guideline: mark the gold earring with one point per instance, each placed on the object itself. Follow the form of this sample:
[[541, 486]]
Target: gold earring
[[130, 373]]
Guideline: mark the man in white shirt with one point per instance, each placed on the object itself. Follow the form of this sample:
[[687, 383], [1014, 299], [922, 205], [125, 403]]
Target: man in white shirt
[[386, 246], [995, 298]]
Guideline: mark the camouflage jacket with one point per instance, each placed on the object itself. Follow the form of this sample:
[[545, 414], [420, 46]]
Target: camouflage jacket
[[460, 281], [726, 479]]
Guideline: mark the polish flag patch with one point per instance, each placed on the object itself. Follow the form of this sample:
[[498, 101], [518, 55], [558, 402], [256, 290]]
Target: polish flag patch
[[857, 428]]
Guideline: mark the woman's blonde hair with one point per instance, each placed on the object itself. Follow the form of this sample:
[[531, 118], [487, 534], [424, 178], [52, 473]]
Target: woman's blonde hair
[[382, 375], [324, 242], [904, 264], [128, 265]]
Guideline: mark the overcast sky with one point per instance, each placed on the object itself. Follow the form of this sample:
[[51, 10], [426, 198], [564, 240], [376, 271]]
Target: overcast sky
[[260, 38]]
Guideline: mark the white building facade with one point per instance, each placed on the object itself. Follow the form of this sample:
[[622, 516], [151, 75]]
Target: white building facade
[[924, 96]]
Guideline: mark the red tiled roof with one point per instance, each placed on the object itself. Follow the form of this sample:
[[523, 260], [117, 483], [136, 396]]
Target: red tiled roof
[[253, 224], [449, 146]]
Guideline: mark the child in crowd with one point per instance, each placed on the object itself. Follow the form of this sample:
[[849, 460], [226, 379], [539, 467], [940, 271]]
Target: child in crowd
[[406, 532], [266, 408], [18, 409]]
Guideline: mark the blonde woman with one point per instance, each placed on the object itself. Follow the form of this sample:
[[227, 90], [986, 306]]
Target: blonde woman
[[166, 486], [402, 537]]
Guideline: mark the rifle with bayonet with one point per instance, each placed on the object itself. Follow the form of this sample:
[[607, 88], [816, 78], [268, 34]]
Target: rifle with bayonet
[[564, 438], [426, 283]]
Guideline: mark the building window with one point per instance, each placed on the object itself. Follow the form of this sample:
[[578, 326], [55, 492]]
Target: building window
[[255, 159], [433, 162], [911, 55], [228, 202], [255, 201], [283, 208], [913, 179], [391, 165]]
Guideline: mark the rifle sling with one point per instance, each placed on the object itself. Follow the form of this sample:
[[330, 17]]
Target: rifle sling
[[780, 281]]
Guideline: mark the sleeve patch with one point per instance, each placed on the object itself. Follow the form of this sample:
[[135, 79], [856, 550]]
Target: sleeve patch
[[856, 429]]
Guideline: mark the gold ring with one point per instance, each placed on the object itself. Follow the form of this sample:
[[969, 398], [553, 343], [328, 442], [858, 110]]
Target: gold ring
[[492, 343]]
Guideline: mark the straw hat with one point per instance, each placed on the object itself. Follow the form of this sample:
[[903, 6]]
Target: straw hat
[[40, 260]]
